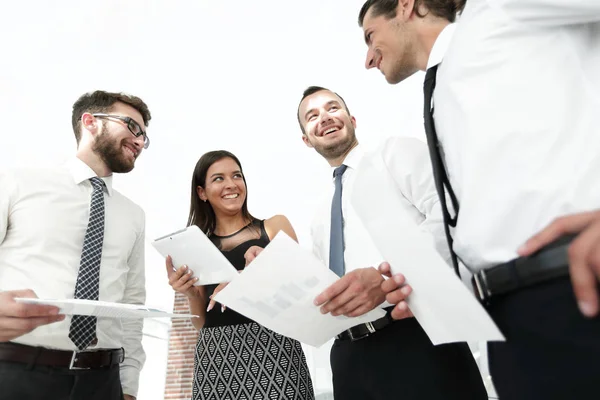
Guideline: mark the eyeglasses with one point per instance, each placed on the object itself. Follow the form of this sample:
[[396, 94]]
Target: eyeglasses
[[133, 126]]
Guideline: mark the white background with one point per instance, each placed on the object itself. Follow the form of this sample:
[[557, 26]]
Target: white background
[[216, 75]]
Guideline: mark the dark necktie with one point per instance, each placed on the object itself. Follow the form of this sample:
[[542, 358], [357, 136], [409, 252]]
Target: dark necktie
[[83, 328], [336, 234], [442, 183]]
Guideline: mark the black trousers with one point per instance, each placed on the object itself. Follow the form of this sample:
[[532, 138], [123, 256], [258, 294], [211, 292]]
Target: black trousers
[[552, 351], [20, 381], [399, 362]]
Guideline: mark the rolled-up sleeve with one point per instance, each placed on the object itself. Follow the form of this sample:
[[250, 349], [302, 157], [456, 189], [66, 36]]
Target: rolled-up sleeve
[[135, 293]]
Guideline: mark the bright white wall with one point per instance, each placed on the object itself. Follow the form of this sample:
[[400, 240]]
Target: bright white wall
[[216, 75]]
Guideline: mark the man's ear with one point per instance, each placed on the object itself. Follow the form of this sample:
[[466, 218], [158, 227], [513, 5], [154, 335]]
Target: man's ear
[[306, 141], [89, 122], [404, 9]]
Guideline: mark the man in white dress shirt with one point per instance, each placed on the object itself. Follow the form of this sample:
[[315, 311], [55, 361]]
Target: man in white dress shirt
[[385, 359], [515, 105], [66, 233]]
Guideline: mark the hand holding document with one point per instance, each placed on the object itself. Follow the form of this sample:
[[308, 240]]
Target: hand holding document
[[102, 308], [442, 304], [278, 289], [191, 247]]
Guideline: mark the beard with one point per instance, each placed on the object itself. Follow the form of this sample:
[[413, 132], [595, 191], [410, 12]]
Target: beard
[[399, 74], [111, 152], [404, 66], [339, 149]]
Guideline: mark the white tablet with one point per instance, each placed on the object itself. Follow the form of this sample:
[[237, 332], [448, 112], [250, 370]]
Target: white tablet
[[191, 247]]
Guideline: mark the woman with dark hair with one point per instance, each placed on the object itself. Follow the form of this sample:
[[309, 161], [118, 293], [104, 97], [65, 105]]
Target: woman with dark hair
[[236, 358]]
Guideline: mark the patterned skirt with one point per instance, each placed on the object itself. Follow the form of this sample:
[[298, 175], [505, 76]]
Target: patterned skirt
[[248, 361]]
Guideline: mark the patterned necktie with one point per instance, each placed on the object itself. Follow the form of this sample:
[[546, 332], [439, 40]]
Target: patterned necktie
[[336, 233], [83, 328]]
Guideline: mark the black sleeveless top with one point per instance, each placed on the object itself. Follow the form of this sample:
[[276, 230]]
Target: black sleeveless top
[[234, 247]]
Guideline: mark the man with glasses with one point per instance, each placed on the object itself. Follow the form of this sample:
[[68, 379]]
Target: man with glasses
[[66, 233]]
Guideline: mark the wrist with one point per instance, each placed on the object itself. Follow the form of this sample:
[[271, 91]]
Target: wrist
[[192, 296]]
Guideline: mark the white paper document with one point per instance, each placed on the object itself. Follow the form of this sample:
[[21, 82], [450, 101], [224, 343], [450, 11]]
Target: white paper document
[[102, 308], [191, 247], [278, 289], [442, 304]]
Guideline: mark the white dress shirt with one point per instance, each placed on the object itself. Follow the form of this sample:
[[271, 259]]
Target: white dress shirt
[[516, 111], [407, 161], [43, 219]]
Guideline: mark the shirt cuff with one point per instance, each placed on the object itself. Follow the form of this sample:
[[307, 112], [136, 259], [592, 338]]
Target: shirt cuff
[[130, 377]]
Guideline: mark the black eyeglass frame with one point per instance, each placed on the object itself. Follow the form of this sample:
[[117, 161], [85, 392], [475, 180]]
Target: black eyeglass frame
[[132, 125]]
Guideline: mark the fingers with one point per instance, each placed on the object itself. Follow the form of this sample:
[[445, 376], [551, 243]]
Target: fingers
[[401, 311], [252, 253], [399, 295], [344, 303], [584, 264], [10, 308], [182, 279], [212, 302], [185, 277], [20, 310], [385, 269], [334, 290], [358, 311], [584, 255], [559, 227], [186, 286], [169, 265], [11, 328], [177, 275], [396, 281]]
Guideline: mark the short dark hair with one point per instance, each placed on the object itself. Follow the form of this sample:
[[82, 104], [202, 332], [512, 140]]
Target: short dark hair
[[447, 9], [201, 213], [312, 90], [102, 102]]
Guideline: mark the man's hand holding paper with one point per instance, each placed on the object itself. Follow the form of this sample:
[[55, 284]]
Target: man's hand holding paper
[[354, 294], [279, 290]]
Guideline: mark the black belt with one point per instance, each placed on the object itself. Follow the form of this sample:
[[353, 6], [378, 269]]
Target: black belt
[[363, 330], [19, 353], [549, 263]]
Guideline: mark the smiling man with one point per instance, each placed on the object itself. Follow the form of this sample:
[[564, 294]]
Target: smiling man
[[383, 359], [66, 233], [511, 99]]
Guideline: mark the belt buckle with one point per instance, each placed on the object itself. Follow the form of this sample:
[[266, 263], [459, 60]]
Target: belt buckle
[[370, 329], [481, 289], [74, 360]]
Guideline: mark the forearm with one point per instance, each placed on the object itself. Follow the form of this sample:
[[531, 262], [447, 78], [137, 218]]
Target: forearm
[[134, 356], [198, 307], [135, 293]]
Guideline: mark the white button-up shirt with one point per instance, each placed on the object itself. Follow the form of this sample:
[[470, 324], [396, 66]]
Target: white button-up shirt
[[516, 110], [407, 161], [43, 219]]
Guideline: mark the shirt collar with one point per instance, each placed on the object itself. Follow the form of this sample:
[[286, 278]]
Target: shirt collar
[[352, 159], [81, 172], [440, 46]]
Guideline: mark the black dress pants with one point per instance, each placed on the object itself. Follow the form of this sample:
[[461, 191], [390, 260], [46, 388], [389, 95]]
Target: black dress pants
[[552, 351], [399, 362], [23, 382]]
